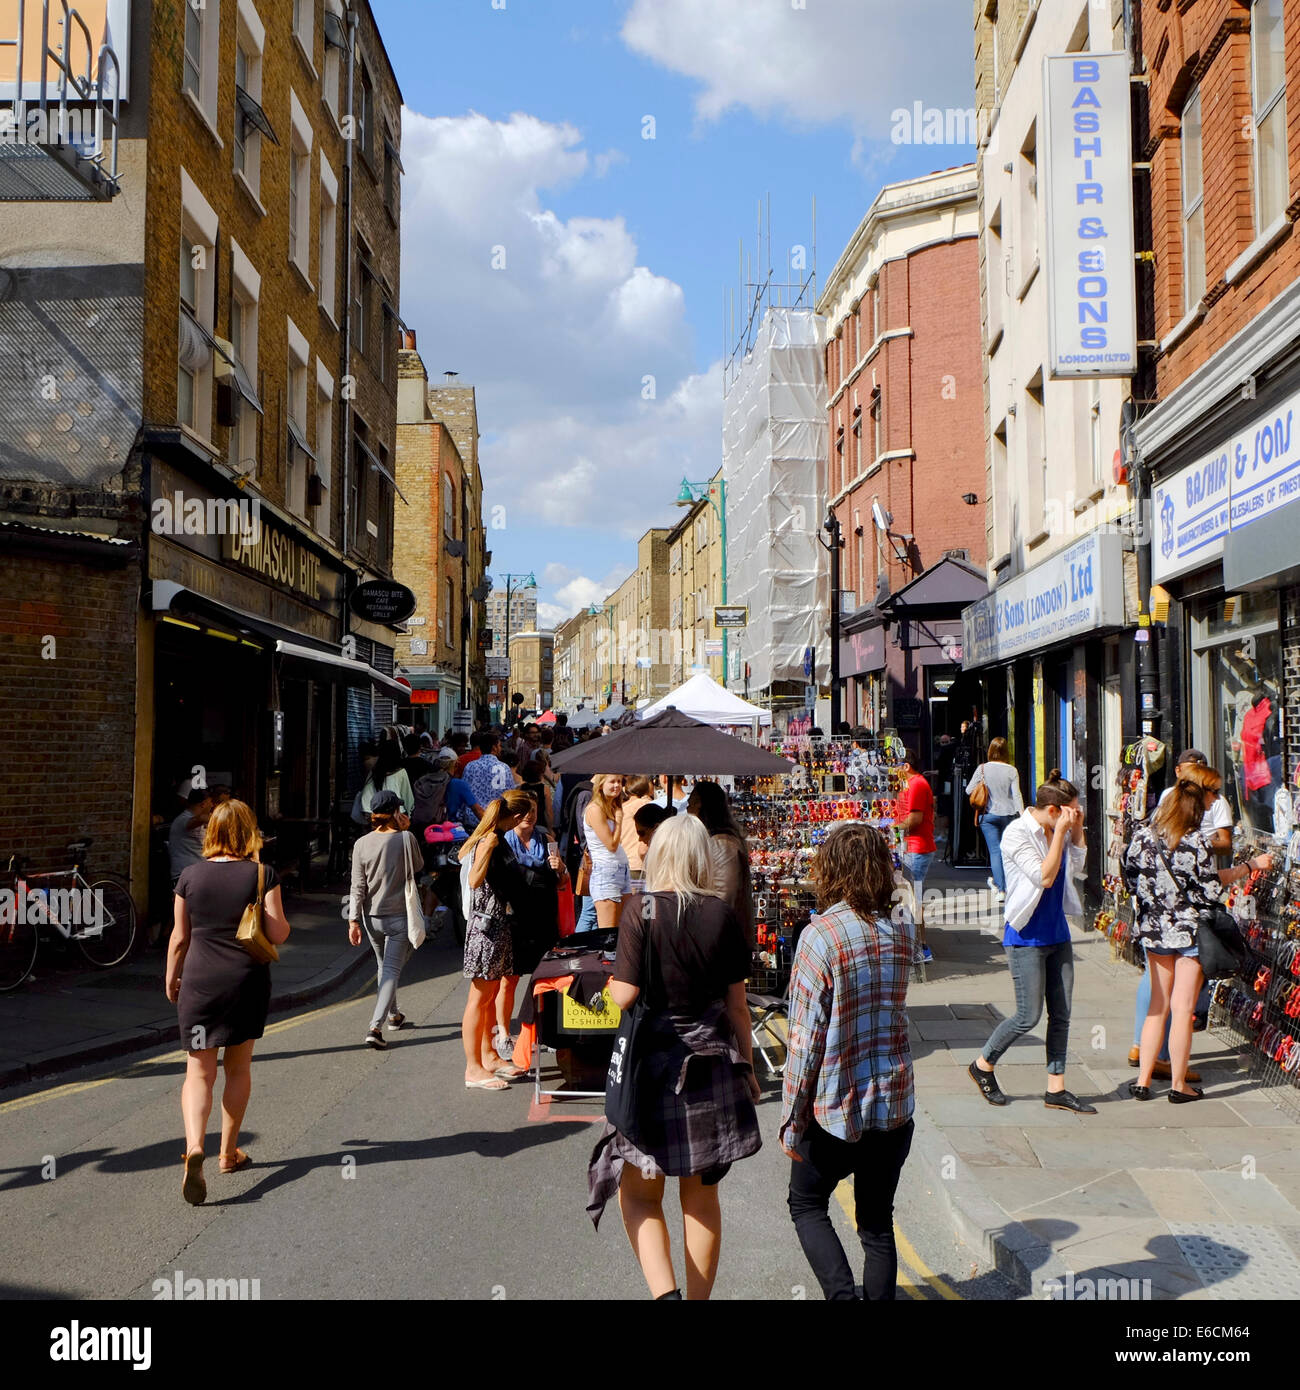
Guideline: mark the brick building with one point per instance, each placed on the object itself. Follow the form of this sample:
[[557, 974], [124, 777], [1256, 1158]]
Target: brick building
[[1222, 134], [695, 588], [532, 669], [903, 371], [222, 463]]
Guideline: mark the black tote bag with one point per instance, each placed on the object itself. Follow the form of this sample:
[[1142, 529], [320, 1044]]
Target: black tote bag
[[624, 1083], [1220, 948]]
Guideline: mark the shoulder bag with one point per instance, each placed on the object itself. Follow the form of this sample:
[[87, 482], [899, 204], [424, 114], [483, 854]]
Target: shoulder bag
[[414, 907], [624, 1084], [979, 798], [250, 934], [1220, 947]]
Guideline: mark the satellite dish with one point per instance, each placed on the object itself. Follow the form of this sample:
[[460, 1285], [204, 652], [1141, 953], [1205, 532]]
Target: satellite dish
[[883, 519]]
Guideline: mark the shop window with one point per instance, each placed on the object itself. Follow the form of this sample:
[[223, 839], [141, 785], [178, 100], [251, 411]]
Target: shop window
[[1237, 700]]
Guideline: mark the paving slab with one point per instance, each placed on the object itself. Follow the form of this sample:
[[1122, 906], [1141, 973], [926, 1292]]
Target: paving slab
[[992, 1147], [1177, 1195]]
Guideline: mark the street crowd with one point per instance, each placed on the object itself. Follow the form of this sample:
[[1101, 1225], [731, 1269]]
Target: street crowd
[[484, 830]]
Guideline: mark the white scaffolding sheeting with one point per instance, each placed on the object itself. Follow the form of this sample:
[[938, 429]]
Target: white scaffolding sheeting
[[774, 439]]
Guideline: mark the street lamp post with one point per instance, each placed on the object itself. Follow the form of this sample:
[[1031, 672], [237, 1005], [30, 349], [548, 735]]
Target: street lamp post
[[716, 492], [526, 581], [836, 543], [595, 610]]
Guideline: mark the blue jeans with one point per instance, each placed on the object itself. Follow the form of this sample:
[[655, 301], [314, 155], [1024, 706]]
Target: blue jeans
[[392, 948], [992, 828], [1143, 1006], [587, 917], [1042, 975]]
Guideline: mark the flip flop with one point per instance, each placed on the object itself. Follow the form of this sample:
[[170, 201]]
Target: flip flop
[[194, 1189], [242, 1161], [491, 1084], [509, 1073]]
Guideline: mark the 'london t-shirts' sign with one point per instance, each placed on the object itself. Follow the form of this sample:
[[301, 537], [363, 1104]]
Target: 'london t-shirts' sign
[[1078, 590], [1253, 473], [1091, 309]]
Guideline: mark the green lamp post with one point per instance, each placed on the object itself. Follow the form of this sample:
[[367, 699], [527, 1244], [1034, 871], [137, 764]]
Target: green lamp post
[[515, 583], [716, 492], [595, 610]]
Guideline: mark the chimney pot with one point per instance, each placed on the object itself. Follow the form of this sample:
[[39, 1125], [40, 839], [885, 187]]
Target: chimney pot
[[408, 339]]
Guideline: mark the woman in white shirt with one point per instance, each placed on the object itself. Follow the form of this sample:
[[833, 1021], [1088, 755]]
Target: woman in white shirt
[[1004, 804], [387, 775]]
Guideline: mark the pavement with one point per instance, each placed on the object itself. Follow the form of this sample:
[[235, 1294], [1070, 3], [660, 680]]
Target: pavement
[[68, 1017], [1202, 1200]]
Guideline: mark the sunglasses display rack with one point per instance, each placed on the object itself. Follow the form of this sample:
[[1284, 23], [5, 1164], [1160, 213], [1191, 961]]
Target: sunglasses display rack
[[785, 819], [1135, 798], [1260, 1012]]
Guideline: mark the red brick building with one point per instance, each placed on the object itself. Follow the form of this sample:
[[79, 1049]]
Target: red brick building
[[1223, 435], [903, 376]]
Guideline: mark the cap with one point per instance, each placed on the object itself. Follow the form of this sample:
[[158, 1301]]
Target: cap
[[1192, 755], [385, 804], [426, 739], [447, 755]]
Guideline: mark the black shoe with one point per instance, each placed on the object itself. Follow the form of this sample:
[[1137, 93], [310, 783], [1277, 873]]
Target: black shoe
[[1185, 1097], [989, 1088], [674, 1297], [1067, 1100], [376, 1039], [1139, 1092]]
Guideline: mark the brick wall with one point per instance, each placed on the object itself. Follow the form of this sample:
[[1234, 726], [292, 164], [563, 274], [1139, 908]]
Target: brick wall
[[69, 720]]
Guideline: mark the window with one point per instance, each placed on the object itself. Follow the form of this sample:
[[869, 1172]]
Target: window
[[451, 613], [250, 120], [992, 13], [1035, 455], [1268, 101], [363, 303], [392, 173], [300, 138], [357, 486], [196, 272], [994, 274], [877, 424], [387, 500], [297, 452], [322, 516], [193, 78], [328, 254], [240, 377], [1027, 229], [448, 507], [875, 310], [335, 47], [304, 19], [200, 57], [1193, 205], [365, 114]]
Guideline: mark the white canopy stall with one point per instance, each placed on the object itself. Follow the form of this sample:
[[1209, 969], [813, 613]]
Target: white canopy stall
[[704, 699]]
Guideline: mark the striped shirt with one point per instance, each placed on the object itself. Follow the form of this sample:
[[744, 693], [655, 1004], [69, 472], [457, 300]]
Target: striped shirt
[[849, 1061]]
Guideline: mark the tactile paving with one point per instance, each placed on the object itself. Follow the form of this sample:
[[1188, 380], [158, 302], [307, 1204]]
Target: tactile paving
[[1238, 1261]]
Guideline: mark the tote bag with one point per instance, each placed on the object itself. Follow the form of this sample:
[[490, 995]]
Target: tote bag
[[624, 1084], [1220, 948], [415, 920]]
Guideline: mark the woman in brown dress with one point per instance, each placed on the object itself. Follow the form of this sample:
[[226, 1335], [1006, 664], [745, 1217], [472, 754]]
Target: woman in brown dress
[[221, 992]]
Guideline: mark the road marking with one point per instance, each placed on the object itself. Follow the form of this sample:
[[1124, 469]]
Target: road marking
[[74, 1088], [906, 1251], [906, 1276]]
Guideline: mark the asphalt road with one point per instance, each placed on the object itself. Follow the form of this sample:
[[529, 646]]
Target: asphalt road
[[379, 1174]]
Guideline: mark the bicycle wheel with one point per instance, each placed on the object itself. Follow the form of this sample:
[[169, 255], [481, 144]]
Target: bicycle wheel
[[116, 911], [17, 953]]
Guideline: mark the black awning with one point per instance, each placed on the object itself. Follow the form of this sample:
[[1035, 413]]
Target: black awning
[[335, 34], [180, 602], [300, 439], [251, 110]]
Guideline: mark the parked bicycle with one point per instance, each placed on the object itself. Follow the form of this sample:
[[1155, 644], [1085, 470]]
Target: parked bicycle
[[97, 915]]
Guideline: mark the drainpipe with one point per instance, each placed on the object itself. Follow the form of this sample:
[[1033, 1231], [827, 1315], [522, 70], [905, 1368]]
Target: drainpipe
[[346, 365]]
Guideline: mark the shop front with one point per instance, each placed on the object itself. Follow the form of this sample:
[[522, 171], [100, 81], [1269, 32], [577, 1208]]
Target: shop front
[[1046, 646]]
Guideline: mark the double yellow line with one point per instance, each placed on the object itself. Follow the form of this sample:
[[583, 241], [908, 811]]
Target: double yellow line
[[914, 1275]]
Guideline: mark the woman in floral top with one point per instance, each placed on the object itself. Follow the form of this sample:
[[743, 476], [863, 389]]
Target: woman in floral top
[[1171, 873]]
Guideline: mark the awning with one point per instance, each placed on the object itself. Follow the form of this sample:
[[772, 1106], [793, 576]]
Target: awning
[[252, 112], [391, 151], [346, 669], [378, 467], [1263, 555], [170, 597], [335, 34], [300, 439]]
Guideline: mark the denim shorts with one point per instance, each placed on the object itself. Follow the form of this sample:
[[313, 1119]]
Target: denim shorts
[[917, 865], [610, 879], [1191, 951]]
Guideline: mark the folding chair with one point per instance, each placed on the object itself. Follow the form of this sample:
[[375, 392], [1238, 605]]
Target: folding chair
[[768, 1007]]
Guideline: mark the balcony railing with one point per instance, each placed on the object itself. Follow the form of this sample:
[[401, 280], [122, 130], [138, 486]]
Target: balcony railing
[[61, 146]]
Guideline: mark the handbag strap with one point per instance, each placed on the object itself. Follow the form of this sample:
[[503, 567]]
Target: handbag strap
[[1159, 842], [261, 880], [647, 946]]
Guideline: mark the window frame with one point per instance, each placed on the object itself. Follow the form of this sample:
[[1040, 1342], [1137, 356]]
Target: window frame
[[1259, 114], [1194, 209]]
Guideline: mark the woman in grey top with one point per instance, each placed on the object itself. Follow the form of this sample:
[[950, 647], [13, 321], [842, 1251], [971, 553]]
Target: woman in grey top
[[1003, 806], [381, 862]]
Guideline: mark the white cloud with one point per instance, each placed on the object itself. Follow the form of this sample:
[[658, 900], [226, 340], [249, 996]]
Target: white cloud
[[575, 590], [563, 344], [829, 62]]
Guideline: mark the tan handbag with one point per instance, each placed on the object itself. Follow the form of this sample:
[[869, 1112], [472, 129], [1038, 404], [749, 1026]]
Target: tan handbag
[[582, 884], [250, 934], [979, 798]]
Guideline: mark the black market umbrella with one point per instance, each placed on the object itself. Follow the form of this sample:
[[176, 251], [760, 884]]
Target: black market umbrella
[[673, 744]]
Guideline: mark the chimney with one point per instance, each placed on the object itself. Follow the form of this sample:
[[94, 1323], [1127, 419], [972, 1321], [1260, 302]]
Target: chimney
[[408, 339]]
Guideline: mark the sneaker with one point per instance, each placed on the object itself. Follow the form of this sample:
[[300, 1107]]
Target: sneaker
[[376, 1039], [988, 1085], [927, 954]]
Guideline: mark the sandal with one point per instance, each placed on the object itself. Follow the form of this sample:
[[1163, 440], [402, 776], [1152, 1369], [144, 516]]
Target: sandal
[[194, 1189], [492, 1083], [242, 1160], [509, 1073]]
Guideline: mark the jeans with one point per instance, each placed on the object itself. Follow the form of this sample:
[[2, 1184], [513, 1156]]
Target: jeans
[[1041, 974], [1143, 1006], [587, 917], [875, 1161], [392, 948], [992, 828]]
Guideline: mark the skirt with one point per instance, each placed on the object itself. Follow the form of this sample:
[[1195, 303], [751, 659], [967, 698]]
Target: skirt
[[488, 951]]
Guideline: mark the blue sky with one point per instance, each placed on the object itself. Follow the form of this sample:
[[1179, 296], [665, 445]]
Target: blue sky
[[556, 258]]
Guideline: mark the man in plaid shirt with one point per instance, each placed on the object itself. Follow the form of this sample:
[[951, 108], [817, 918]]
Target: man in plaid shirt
[[847, 1106]]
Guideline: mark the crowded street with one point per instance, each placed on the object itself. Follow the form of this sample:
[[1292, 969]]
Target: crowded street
[[650, 652]]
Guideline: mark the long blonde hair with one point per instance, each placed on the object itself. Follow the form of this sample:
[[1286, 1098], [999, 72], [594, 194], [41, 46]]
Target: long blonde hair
[[232, 829], [607, 807], [678, 861], [1181, 812], [512, 805]]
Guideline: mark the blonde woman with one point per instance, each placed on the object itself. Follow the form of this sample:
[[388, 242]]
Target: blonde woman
[[494, 882], [222, 994], [611, 883], [697, 1083]]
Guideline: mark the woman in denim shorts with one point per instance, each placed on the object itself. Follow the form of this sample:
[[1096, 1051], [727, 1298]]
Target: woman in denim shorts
[[611, 882]]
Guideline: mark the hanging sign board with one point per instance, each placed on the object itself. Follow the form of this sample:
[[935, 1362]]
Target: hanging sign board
[[382, 601]]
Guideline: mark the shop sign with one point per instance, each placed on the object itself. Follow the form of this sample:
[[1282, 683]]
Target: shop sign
[[276, 557], [382, 601], [861, 652], [730, 615], [424, 697], [1265, 463], [1077, 591], [1091, 306]]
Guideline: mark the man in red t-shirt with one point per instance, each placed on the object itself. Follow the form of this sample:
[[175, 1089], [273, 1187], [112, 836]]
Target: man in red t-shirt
[[916, 817]]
